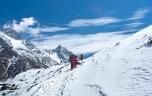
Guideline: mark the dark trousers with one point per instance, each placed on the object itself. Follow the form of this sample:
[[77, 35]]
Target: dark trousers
[[73, 65]]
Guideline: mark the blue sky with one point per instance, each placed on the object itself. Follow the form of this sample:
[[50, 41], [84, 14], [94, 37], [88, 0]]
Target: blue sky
[[40, 20], [63, 11]]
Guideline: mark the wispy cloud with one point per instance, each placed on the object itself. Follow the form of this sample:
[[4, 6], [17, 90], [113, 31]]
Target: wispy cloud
[[80, 43], [93, 22], [52, 29], [133, 25], [37, 30], [30, 25], [139, 14]]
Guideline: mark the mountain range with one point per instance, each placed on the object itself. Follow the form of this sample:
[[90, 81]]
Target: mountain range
[[123, 69], [18, 55]]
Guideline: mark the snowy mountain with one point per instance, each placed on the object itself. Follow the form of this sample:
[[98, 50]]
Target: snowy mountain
[[62, 53], [18, 55], [124, 69], [59, 54], [11, 33]]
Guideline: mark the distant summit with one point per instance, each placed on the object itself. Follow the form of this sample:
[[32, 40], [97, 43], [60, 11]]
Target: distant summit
[[62, 53]]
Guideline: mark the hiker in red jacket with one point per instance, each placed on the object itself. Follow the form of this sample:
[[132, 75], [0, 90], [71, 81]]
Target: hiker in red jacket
[[73, 60]]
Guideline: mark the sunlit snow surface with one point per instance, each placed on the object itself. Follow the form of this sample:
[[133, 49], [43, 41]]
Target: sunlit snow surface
[[121, 70]]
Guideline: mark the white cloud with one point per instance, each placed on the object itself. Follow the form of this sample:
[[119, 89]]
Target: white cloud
[[79, 43], [93, 22], [139, 14], [29, 25], [21, 26], [37, 30], [52, 29], [133, 25]]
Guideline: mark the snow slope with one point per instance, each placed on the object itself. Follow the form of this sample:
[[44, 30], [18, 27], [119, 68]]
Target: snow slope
[[121, 70], [53, 55], [138, 38], [41, 82]]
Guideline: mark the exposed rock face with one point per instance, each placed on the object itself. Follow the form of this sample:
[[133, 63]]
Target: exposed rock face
[[149, 42], [17, 56]]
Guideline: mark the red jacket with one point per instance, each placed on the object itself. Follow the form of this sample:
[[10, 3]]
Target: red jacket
[[73, 59]]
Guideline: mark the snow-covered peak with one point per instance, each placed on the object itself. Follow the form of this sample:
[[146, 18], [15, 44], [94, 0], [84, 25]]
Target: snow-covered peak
[[59, 54], [12, 38], [16, 44], [62, 53], [10, 33], [60, 48]]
